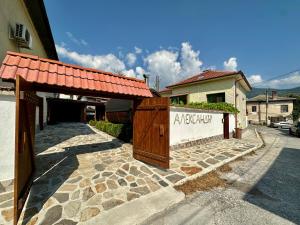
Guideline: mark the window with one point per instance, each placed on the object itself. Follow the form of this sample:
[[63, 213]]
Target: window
[[254, 108], [218, 97], [180, 99], [284, 108]]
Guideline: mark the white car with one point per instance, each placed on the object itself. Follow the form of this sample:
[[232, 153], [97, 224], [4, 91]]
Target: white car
[[282, 125]]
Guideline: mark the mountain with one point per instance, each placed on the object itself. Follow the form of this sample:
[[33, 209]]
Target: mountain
[[280, 92]]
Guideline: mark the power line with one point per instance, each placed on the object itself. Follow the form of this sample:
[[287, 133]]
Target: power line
[[276, 77]]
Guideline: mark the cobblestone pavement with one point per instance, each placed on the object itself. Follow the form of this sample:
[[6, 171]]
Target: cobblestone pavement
[[81, 172]]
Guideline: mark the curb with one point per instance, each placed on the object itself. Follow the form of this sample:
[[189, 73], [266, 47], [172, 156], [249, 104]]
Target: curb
[[217, 165]]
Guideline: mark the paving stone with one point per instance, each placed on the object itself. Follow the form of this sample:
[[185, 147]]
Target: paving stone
[[75, 195], [140, 190], [190, 170], [146, 170], [212, 161], [122, 182], [130, 178], [106, 174], [133, 184], [68, 187], [140, 182], [99, 180], [95, 200], [7, 204], [52, 215], [162, 183], [7, 214], [55, 181], [163, 172], [111, 203], [107, 195], [203, 164], [6, 196], [84, 183], [126, 166], [111, 184], [74, 180], [174, 178], [156, 177], [72, 208], [134, 171], [131, 196], [61, 197], [50, 202], [100, 167], [87, 194], [121, 173], [228, 154], [96, 176], [221, 157], [66, 222], [88, 213], [152, 185], [100, 187]]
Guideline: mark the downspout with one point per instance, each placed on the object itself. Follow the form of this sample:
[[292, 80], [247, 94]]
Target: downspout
[[235, 101]]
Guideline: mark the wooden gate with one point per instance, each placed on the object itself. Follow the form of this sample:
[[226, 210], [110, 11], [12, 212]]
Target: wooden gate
[[151, 131], [226, 125], [26, 102]]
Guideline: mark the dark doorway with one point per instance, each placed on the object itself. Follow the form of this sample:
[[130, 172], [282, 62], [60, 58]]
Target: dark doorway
[[226, 125]]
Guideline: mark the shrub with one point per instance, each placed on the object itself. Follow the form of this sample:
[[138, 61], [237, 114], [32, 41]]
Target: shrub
[[92, 122], [220, 106], [116, 130]]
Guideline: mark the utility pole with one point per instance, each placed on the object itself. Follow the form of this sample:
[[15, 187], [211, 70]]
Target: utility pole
[[157, 83], [267, 103]]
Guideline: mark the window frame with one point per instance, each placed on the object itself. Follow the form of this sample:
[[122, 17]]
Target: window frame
[[215, 97], [282, 107], [254, 106]]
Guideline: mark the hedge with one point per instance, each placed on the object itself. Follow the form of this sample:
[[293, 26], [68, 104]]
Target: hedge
[[220, 106], [122, 131]]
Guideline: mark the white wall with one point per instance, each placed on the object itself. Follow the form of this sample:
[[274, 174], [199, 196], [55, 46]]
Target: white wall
[[7, 136], [193, 124]]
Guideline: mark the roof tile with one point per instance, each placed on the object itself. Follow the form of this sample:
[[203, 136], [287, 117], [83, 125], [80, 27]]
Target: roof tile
[[45, 71]]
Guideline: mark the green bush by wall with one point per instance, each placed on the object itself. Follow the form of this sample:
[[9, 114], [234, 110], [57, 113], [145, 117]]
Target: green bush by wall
[[122, 131], [220, 106]]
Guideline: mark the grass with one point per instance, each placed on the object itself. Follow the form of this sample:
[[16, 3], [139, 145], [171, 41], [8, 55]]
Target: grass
[[205, 183]]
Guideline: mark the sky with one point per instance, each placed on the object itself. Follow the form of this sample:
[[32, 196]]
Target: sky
[[177, 39]]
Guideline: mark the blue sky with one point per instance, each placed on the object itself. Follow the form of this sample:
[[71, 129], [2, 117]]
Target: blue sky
[[175, 39]]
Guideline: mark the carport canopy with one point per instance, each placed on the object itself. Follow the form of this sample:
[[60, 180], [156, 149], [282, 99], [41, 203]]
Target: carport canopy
[[54, 76]]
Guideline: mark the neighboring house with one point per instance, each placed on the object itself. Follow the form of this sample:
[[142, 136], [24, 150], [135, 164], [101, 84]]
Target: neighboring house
[[213, 86], [20, 15], [279, 108]]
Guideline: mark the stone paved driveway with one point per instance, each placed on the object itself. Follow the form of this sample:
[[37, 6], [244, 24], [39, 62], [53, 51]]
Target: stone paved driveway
[[82, 172]]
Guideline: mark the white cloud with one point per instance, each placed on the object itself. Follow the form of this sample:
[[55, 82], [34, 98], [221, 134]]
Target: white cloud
[[292, 80], [140, 71], [190, 61], [109, 62], [138, 50], [255, 79], [130, 58], [231, 64], [165, 64], [129, 73], [76, 40], [173, 66]]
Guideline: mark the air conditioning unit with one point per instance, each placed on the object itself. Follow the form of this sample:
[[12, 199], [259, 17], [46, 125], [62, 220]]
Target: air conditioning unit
[[22, 36]]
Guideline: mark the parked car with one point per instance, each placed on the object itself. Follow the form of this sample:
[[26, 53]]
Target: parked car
[[295, 129], [282, 124]]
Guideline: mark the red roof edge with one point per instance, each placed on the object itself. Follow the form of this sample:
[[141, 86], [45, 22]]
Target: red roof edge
[[70, 65]]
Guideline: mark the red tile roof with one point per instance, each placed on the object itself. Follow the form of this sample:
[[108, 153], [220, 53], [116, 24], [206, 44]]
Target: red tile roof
[[45, 71], [207, 75]]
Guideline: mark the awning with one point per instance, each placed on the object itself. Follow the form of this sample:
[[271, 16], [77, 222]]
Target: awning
[[53, 73]]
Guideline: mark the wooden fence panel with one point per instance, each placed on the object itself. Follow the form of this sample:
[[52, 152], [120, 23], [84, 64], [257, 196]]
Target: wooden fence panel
[[151, 131]]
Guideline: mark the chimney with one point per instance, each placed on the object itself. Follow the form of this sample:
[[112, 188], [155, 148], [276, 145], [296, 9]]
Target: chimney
[[146, 78], [274, 95]]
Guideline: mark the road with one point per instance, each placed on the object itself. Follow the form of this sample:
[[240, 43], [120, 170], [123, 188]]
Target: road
[[265, 189]]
